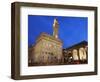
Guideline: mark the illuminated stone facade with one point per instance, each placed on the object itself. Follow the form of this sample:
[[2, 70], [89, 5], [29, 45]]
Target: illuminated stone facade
[[76, 54], [55, 28], [48, 50]]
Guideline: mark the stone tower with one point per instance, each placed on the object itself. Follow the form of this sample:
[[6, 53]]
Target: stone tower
[[55, 28]]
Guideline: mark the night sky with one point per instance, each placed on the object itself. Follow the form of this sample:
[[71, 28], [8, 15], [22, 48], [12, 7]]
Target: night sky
[[72, 30]]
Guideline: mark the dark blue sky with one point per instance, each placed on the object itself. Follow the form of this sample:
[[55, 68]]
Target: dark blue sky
[[72, 30]]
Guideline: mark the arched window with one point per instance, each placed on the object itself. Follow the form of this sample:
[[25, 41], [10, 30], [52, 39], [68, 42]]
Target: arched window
[[82, 54], [75, 54]]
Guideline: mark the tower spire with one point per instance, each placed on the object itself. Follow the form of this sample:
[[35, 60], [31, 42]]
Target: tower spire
[[55, 28]]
